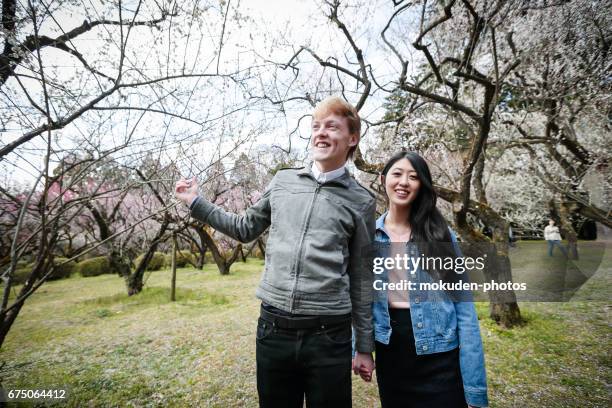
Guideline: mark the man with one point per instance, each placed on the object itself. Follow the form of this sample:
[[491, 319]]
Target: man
[[315, 281], [553, 238]]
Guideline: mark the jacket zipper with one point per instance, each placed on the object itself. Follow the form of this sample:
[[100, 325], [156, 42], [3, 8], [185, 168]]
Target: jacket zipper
[[300, 247]]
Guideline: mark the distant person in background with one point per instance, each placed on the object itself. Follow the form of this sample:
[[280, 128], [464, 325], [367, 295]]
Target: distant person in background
[[553, 237], [511, 239]]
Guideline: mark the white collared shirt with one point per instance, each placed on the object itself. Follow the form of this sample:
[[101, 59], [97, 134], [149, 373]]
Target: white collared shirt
[[328, 175]]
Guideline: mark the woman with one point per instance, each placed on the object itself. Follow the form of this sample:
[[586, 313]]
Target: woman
[[428, 346]]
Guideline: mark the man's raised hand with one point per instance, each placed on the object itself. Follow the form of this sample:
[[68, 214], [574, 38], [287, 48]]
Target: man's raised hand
[[186, 190]]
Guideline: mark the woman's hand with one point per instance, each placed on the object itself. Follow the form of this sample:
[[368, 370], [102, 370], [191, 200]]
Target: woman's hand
[[186, 190], [363, 365]]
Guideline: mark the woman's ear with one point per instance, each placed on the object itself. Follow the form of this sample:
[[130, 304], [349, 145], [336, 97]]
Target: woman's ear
[[382, 180]]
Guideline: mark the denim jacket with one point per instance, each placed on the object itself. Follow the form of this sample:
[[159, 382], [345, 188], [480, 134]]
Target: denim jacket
[[439, 324]]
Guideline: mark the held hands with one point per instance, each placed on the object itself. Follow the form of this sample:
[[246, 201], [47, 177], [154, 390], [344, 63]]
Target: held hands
[[186, 190], [363, 365]]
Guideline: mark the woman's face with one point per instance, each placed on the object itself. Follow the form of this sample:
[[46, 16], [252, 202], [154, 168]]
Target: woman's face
[[402, 183]]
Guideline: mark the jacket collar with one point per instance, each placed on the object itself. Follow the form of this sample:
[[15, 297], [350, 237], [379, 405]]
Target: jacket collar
[[380, 226], [380, 223], [344, 180]]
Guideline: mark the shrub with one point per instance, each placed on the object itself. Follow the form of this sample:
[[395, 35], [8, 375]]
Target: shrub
[[6, 262], [62, 271], [156, 262], [22, 264], [95, 266], [183, 259], [23, 270], [21, 274]]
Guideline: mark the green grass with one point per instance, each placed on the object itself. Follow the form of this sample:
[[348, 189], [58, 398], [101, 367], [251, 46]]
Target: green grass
[[143, 350]]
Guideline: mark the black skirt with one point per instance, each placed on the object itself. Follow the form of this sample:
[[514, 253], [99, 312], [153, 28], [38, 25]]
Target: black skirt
[[408, 380]]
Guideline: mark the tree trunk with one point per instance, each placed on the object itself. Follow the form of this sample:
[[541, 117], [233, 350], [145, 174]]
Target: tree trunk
[[203, 246], [135, 282], [563, 210], [506, 314], [173, 281], [233, 258], [201, 259], [223, 264], [40, 269], [249, 249], [119, 263], [479, 188], [8, 318], [596, 214], [503, 307]]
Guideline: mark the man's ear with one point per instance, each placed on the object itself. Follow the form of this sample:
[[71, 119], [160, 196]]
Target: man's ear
[[354, 140]]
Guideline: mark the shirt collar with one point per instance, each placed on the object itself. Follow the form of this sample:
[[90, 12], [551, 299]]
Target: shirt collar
[[323, 177], [344, 177]]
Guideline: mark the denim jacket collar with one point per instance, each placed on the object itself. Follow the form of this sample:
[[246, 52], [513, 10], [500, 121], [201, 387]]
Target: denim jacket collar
[[380, 223], [380, 226]]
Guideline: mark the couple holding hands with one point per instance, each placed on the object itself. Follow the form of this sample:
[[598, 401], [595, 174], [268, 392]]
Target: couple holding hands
[[319, 307]]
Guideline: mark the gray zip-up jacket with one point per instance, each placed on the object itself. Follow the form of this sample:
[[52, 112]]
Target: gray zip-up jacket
[[316, 253]]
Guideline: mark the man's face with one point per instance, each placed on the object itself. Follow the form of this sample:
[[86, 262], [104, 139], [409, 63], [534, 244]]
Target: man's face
[[331, 141]]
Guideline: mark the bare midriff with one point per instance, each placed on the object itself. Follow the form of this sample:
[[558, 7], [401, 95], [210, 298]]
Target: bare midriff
[[398, 299]]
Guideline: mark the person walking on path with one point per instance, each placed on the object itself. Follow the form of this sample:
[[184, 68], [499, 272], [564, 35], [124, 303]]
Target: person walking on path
[[553, 238]]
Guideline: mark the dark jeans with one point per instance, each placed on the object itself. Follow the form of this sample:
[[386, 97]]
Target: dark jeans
[[312, 362]]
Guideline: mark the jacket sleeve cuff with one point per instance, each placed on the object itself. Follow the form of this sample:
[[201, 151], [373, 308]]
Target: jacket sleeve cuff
[[362, 349], [201, 209], [476, 398], [363, 344], [193, 202]]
